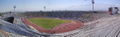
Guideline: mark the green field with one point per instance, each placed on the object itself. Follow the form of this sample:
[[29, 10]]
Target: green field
[[48, 23]]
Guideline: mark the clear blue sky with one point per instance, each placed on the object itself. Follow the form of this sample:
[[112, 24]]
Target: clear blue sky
[[37, 5]]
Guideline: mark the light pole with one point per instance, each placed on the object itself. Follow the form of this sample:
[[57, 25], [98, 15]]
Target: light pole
[[44, 8], [93, 2], [14, 8]]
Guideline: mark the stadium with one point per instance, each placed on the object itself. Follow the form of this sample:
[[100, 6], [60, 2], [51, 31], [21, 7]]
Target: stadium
[[56, 24], [59, 18], [51, 23]]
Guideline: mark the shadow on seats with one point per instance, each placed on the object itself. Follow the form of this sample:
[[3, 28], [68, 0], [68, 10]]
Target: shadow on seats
[[9, 19]]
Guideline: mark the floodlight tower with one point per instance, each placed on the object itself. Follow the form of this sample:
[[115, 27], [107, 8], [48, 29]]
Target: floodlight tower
[[44, 8], [14, 7], [93, 3]]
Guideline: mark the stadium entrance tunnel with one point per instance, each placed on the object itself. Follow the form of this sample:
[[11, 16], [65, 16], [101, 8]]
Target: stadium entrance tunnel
[[9, 19]]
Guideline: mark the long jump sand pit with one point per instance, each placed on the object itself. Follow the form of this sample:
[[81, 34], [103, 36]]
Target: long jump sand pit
[[52, 25]]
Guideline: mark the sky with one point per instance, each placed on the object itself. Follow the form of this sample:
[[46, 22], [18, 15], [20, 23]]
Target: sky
[[37, 5]]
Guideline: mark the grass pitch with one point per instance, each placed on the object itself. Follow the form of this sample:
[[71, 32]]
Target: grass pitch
[[48, 23]]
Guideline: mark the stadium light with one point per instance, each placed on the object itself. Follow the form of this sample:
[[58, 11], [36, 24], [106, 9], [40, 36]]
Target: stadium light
[[93, 2], [14, 7], [44, 8]]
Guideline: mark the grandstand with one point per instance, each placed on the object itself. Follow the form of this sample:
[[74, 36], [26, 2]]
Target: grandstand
[[71, 15]]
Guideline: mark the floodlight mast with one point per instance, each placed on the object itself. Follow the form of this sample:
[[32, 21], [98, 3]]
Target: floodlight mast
[[14, 8], [44, 8], [93, 2]]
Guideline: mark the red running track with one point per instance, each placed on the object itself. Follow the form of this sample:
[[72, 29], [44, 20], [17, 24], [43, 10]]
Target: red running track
[[58, 29]]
